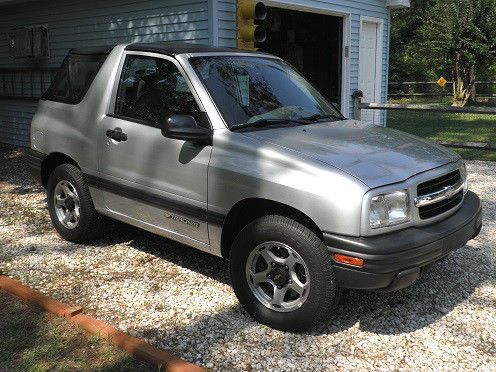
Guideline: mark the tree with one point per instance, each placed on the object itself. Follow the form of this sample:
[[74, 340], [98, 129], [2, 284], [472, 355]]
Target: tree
[[463, 32], [408, 61], [452, 38]]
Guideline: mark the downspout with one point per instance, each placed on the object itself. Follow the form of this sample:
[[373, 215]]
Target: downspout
[[213, 22]]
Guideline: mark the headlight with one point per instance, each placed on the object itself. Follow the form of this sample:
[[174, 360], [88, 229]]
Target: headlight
[[463, 173], [389, 209]]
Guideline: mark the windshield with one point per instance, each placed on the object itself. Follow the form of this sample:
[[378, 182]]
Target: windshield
[[254, 89]]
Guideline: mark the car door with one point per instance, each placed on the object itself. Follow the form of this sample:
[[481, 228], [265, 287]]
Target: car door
[[146, 177]]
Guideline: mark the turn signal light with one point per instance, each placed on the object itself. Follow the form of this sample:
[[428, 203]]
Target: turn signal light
[[353, 261]]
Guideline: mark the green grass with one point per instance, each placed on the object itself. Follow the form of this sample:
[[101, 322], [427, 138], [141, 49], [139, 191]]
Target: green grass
[[449, 127], [470, 154], [34, 341]]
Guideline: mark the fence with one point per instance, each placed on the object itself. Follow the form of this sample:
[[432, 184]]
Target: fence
[[484, 90], [462, 127]]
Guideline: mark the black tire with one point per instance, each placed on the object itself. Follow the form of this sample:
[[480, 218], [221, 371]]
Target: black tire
[[91, 223], [324, 294]]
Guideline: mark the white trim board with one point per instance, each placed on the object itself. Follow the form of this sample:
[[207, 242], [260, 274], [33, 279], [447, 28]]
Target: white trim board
[[378, 58]]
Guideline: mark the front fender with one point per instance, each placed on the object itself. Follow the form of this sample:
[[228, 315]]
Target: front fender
[[242, 167]]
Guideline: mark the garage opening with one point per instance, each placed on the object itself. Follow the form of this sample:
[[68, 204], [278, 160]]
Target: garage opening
[[310, 42]]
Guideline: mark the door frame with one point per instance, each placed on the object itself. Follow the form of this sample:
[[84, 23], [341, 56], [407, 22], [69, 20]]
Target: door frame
[[378, 58], [176, 207], [346, 43]]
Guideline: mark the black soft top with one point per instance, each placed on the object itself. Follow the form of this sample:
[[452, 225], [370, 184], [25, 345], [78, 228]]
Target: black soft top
[[173, 48], [99, 50], [170, 48]]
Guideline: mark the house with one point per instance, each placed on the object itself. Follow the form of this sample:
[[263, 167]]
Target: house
[[340, 45]]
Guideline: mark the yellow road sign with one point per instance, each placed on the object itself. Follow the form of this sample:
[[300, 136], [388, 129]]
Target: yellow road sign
[[441, 82]]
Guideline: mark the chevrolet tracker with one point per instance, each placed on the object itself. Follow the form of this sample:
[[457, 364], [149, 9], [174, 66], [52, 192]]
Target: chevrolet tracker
[[236, 154]]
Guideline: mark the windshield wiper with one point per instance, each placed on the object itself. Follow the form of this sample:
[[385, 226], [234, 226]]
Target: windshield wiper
[[262, 123], [318, 117]]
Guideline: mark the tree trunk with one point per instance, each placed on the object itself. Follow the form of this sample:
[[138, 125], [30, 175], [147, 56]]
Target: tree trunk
[[463, 83]]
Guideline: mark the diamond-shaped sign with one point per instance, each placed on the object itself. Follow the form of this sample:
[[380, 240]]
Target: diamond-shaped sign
[[441, 82]]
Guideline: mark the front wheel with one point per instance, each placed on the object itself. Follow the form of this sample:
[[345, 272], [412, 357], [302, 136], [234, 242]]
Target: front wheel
[[282, 274]]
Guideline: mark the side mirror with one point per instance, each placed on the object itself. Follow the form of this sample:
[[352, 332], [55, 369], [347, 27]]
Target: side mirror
[[184, 127]]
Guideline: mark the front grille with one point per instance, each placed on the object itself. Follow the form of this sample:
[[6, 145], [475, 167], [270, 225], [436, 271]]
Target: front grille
[[438, 183], [436, 209], [433, 210]]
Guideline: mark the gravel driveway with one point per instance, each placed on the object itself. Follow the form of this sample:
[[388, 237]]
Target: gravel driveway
[[180, 299]]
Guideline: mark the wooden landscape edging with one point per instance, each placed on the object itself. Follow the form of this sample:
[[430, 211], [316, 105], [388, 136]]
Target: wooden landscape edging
[[73, 314]]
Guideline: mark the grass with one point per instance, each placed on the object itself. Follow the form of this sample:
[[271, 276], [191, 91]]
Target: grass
[[34, 341], [470, 154], [449, 127]]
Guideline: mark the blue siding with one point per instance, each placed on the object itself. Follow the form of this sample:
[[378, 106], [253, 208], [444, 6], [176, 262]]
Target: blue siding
[[74, 23], [15, 118], [226, 13]]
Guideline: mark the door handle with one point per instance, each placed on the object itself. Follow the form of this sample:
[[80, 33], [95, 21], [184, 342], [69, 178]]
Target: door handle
[[117, 134]]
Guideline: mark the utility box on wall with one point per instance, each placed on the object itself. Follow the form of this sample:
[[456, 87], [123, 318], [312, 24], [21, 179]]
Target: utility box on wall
[[29, 42]]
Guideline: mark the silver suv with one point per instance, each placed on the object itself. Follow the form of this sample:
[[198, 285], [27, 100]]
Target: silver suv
[[236, 154]]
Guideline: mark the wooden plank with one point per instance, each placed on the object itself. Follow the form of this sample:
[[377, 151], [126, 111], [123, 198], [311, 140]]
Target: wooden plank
[[39, 299], [134, 346], [431, 108], [470, 145], [139, 348]]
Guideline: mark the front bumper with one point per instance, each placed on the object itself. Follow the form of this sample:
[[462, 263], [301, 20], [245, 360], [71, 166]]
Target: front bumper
[[395, 260]]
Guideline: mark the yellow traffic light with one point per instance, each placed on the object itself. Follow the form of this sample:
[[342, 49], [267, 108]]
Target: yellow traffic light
[[249, 11]]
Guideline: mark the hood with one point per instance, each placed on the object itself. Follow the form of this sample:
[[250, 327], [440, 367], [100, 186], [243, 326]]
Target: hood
[[373, 154]]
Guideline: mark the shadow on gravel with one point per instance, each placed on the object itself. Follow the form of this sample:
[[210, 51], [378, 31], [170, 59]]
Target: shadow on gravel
[[179, 254], [14, 170], [435, 294]]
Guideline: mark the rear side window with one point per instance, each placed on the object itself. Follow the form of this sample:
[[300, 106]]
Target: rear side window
[[74, 78]]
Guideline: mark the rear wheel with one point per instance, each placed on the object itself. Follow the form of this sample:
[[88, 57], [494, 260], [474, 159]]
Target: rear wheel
[[282, 274], [70, 205]]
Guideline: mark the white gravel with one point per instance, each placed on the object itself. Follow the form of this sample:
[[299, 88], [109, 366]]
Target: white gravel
[[180, 299]]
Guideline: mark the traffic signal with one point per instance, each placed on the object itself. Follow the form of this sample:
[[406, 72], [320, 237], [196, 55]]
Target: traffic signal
[[248, 32]]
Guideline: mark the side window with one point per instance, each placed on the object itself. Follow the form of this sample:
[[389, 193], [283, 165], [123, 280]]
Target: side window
[[74, 78], [82, 72], [59, 89], [150, 89]]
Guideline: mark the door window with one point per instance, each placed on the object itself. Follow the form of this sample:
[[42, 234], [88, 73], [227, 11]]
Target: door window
[[151, 89]]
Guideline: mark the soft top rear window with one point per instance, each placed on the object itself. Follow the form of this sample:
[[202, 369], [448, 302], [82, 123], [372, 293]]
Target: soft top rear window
[[74, 78]]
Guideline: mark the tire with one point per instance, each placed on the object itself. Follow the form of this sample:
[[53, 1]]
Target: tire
[[90, 224], [318, 302]]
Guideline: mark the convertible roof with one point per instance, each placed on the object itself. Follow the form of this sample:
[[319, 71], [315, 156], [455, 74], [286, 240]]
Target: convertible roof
[[92, 50], [173, 48], [170, 48]]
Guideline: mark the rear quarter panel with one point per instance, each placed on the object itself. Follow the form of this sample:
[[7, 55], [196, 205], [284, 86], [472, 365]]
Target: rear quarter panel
[[72, 129]]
